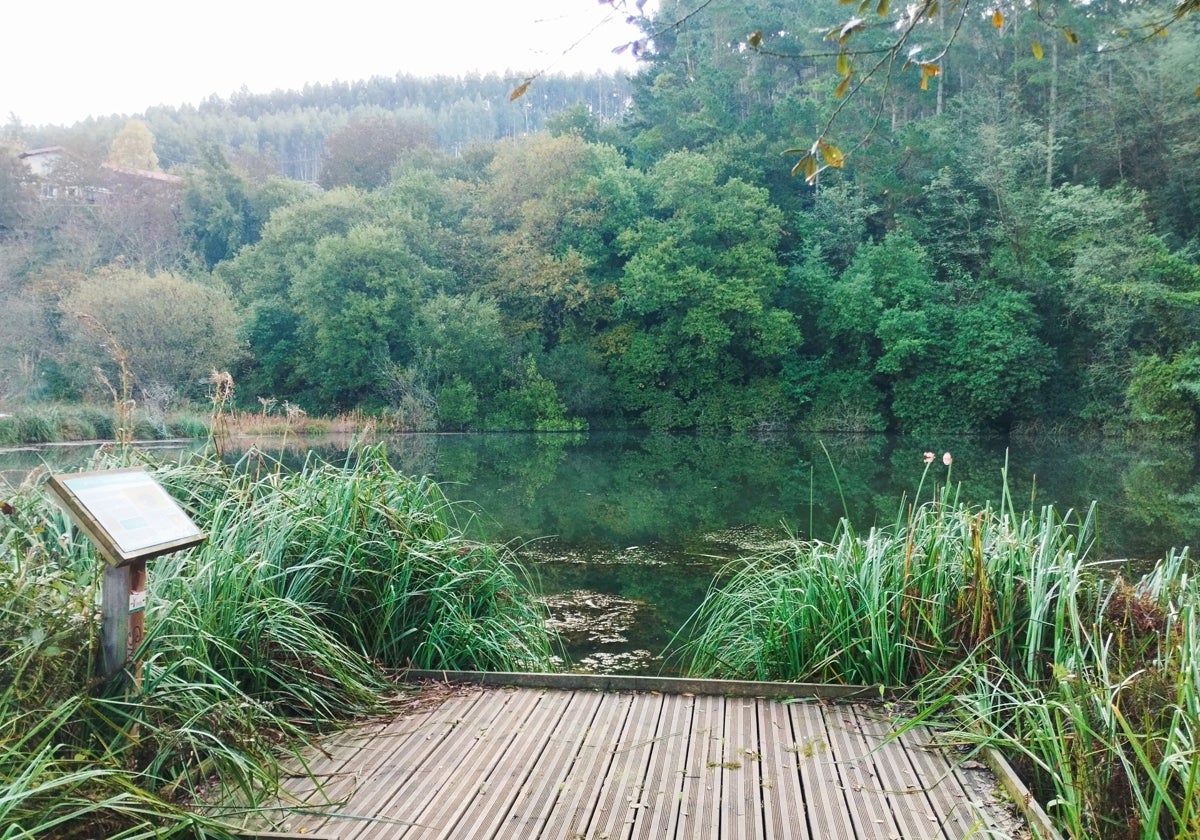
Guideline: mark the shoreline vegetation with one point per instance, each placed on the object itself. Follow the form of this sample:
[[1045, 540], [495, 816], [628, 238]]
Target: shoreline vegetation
[[313, 586], [996, 626], [317, 583], [79, 422]]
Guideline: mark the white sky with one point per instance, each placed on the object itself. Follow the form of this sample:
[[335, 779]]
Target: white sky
[[64, 61]]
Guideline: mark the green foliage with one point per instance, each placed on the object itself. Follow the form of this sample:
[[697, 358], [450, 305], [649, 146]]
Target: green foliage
[[171, 331], [363, 153], [224, 210], [1164, 397], [696, 294], [458, 405], [282, 621], [1008, 244], [530, 402], [944, 355], [997, 618]]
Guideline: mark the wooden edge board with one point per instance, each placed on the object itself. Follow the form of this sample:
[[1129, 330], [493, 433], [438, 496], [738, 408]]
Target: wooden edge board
[[1035, 815], [247, 834], [671, 685]]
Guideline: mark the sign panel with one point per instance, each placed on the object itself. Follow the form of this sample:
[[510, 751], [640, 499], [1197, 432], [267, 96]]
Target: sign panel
[[126, 513]]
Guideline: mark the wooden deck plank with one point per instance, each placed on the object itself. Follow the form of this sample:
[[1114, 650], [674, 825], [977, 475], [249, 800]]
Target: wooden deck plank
[[500, 788], [414, 754], [560, 764], [700, 807], [620, 800], [741, 772], [581, 787], [824, 793], [373, 761], [541, 790], [784, 815], [960, 814], [481, 791], [866, 802], [896, 778], [444, 780], [668, 764]]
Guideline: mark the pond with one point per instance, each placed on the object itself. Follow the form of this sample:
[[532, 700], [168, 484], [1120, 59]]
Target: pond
[[627, 531]]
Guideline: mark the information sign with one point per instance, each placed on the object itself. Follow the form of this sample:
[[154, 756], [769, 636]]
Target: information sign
[[126, 513]]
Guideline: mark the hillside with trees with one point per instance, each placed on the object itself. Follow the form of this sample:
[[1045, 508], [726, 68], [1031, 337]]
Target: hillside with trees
[[1004, 238]]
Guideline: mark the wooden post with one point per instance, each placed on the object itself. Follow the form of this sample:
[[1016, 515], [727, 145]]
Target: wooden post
[[114, 620], [123, 615]]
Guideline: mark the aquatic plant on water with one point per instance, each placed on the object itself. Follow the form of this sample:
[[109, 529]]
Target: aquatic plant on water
[[312, 584], [998, 619]]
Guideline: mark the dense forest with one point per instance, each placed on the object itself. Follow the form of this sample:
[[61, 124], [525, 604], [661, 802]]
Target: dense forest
[[1001, 238]]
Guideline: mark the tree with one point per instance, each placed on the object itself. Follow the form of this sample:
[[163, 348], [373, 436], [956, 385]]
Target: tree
[[699, 341], [357, 302], [363, 153], [174, 331], [14, 196], [133, 148], [951, 356], [224, 210]]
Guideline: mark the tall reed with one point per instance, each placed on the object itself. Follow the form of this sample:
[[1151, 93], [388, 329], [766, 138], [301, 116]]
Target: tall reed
[[311, 584], [1091, 683]]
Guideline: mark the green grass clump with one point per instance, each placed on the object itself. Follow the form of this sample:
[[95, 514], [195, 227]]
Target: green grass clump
[[1091, 684], [276, 626], [38, 425], [10, 431]]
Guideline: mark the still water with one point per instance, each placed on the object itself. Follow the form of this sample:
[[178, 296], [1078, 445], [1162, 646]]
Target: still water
[[627, 531]]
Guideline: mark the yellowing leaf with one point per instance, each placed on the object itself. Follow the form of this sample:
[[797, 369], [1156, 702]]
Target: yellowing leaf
[[801, 164], [755, 39], [928, 71], [810, 169], [883, 8], [832, 155], [932, 11], [842, 87], [1198, 91], [1037, 51], [518, 92], [1071, 36], [843, 64], [998, 19]]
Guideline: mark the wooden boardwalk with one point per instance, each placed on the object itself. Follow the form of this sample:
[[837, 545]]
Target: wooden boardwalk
[[560, 764]]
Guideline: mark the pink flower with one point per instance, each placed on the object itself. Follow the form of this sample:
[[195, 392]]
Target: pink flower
[[946, 459], [929, 457]]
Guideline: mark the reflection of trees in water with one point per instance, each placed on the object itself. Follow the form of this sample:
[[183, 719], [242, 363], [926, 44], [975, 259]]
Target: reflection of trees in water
[[614, 490]]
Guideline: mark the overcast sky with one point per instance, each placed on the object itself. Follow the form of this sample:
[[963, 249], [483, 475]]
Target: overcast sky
[[64, 61]]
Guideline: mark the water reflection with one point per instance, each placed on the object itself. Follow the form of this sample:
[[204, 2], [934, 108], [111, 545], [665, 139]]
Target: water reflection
[[626, 531]]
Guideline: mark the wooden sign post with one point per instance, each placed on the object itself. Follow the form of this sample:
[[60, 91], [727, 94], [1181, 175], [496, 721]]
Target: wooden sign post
[[130, 518]]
